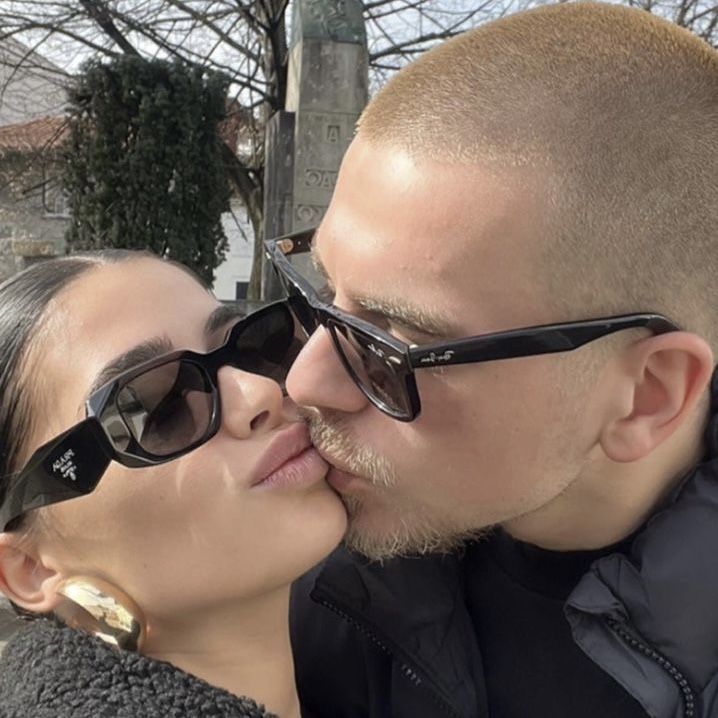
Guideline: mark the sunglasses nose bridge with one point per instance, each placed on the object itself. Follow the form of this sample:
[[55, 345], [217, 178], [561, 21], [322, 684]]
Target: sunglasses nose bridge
[[226, 355]]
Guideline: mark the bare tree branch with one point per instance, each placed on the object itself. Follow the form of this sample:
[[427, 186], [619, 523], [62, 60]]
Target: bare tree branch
[[99, 13]]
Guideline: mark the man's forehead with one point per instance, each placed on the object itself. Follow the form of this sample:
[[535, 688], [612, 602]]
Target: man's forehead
[[374, 252], [443, 237], [442, 293], [441, 214]]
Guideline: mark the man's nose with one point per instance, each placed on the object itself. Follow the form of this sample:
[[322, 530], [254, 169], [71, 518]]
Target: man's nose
[[251, 404], [318, 378]]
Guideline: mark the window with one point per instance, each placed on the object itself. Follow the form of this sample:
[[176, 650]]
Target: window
[[55, 199]]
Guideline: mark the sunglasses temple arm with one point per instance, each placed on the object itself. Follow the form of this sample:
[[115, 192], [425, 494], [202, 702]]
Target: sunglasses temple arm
[[533, 342], [68, 467]]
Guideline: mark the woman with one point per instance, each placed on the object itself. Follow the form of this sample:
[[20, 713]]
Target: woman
[[150, 463]]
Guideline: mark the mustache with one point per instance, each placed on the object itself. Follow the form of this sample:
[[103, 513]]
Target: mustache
[[331, 435]]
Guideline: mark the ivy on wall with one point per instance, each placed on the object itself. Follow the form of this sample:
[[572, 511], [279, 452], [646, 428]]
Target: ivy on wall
[[143, 162]]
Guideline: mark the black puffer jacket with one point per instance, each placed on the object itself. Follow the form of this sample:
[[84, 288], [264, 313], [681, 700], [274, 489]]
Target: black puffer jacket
[[396, 640], [49, 671]]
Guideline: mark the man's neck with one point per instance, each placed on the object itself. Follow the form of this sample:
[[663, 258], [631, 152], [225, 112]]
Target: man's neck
[[243, 648], [605, 503]]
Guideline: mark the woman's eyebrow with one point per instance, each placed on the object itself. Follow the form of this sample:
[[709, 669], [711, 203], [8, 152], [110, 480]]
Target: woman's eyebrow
[[222, 315], [137, 355], [157, 346]]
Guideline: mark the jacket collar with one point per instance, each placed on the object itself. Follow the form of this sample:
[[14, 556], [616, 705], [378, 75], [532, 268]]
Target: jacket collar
[[434, 637], [666, 587], [50, 670]]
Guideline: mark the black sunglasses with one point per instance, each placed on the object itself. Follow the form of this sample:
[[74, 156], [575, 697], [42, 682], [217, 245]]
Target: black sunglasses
[[150, 414], [383, 367]]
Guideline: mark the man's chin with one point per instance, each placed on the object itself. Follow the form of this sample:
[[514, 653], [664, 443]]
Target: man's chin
[[379, 534]]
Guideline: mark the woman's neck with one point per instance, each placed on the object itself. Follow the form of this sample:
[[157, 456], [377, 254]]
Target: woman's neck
[[243, 648]]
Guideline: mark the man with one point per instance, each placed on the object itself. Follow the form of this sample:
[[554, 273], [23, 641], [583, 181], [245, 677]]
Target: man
[[558, 166]]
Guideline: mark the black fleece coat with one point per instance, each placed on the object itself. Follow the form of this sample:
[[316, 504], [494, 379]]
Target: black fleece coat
[[50, 671]]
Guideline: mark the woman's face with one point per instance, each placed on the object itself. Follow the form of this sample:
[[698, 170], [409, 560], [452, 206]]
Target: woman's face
[[197, 533]]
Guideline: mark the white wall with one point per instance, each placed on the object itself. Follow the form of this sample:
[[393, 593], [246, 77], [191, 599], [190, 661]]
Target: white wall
[[33, 90], [238, 262]]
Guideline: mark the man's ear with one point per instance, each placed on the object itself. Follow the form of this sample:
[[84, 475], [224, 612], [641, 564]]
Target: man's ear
[[24, 578], [660, 382]]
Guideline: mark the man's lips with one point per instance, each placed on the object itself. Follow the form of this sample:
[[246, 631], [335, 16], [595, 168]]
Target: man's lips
[[286, 446], [339, 477], [335, 465], [341, 480]]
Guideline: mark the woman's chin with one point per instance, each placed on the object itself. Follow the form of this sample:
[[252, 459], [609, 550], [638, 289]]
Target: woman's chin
[[327, 527]]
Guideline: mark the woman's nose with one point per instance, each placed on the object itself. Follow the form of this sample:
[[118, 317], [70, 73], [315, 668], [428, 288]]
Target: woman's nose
[[251, 404]]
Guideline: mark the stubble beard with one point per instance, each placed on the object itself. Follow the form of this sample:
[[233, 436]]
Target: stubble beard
[[413, 529]]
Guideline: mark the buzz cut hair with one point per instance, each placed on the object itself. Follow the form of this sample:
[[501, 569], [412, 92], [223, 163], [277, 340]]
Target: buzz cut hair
[[616, 111]]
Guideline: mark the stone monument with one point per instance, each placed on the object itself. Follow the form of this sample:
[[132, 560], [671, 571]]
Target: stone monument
[[327, 88]]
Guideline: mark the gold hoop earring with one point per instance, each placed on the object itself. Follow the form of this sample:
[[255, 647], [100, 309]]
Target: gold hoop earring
[[97, 607]]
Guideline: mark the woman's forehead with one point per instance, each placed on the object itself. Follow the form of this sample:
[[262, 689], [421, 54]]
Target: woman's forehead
[[113, 308], [138, 296]]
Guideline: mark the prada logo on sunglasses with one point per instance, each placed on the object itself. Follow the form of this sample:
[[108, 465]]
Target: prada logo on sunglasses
[[65, 466], [433, 358]]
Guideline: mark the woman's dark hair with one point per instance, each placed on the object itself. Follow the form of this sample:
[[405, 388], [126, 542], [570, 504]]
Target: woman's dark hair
[[24, 298]]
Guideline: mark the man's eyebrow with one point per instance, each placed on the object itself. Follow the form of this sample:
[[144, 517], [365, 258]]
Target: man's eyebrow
[[222, 315], [317, 264], [150, 349], [418, 320], [413, 318]]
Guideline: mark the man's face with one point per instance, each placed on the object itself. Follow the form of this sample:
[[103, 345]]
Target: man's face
[[448, 247]]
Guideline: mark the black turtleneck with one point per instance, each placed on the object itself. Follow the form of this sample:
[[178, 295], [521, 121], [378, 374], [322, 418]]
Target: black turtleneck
[[533, 668]]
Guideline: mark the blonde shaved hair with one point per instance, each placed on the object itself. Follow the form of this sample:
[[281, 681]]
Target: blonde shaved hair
[[615, 112]]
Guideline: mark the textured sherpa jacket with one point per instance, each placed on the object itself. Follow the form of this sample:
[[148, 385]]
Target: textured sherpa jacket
[[50, 671]]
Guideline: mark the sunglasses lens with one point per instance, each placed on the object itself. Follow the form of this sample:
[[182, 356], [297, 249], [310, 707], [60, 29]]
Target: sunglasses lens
[[377, 368], [168, 408], [268, 342]]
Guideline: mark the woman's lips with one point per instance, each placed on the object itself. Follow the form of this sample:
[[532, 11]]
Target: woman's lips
[[303, 469], [290, 459]]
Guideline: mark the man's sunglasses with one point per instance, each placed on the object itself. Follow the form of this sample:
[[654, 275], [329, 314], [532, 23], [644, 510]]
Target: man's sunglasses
[[150, 414], [383, 367]]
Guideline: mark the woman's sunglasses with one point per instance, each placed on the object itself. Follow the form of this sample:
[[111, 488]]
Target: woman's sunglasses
[[151, 414], [383, 367]]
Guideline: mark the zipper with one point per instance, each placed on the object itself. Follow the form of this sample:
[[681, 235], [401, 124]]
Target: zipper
[[404, 667], [687, 693]]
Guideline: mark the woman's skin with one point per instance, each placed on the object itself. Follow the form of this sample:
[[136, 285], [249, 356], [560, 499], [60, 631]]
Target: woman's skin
[[206, 554]]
